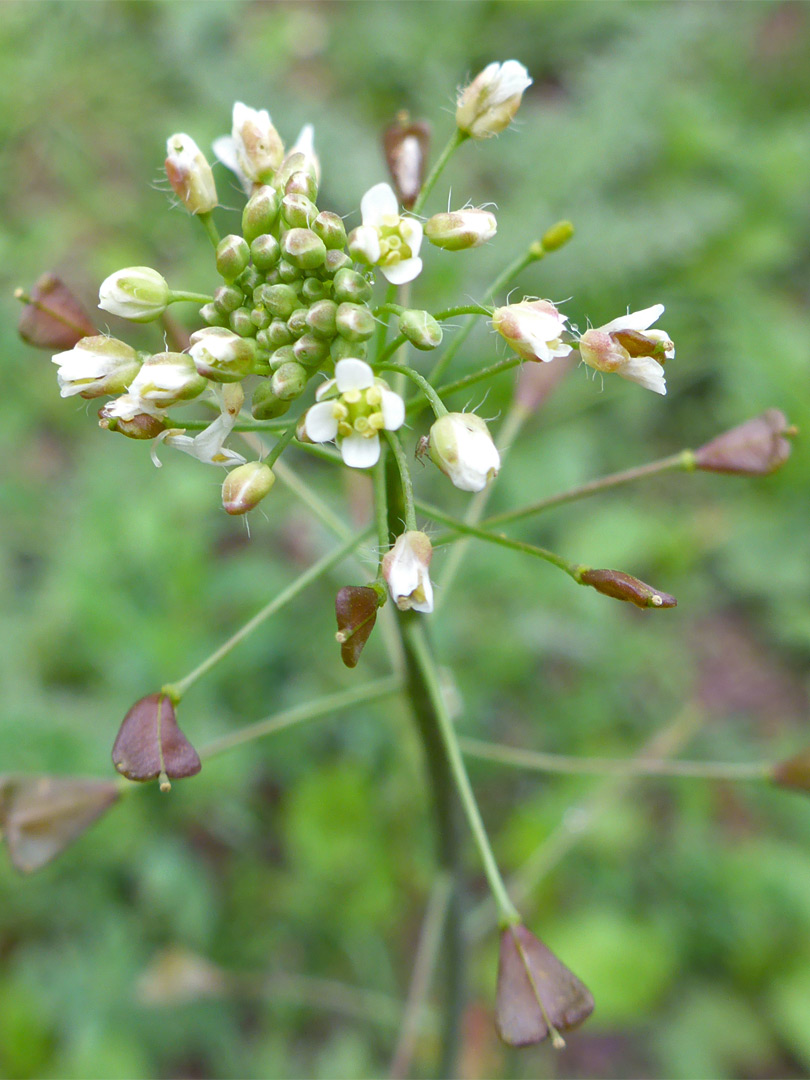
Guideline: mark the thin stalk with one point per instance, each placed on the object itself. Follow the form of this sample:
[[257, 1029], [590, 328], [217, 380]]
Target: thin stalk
[[200, 425], [177, 296], [382, 329], [310, 710], [683, 461], [537, 761], [404, 478], [420, 380], [474, 377], [427, 949], [175, 691], [211, 231], [283, 441], [381, 507], [390, 349], [453, 143], [507, 912]]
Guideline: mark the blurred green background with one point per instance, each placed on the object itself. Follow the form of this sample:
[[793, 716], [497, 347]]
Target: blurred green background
[[676, 136]]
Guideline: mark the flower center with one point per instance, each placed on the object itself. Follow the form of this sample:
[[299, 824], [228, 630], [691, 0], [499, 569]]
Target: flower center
[[358, 412]]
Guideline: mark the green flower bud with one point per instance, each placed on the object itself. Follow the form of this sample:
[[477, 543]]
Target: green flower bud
[[190, 175], [283, 355], [312, 289], [355, 322], [489, 103], [213, 316], [241, 322], [302, 183], [221, 355], [298, 211], [557, 235], [260, 213], [260, 317], [288, 272], [280, 300], [166, 379], [311, 350], [351, 287], [138, 293], [336, 261], [278, 334], [342, 349], [228, 298], [265, 251], [289, 381], [266, 405], [297, 322], [232, 256], [461, 229], [321, 318], [331, 230], [250, 279], [245, 486], [292, 164], [303, 248], [421, 329]]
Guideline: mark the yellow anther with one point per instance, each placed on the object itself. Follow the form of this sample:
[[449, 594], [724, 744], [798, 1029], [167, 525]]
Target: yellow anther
[[345, 429], [374, 395], [361, 425], [351, 397], [339, 411], [376, 421]]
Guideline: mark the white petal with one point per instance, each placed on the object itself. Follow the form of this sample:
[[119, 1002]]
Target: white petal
[[366, 244], [225, 151], [359, 452], [305, 143], [393, 410], [646, 372], [411, 232], [324, 389], [513, 78], [427, 588], [402, 272], [635, 320], [352, 374], [321, 423], [379, 205]]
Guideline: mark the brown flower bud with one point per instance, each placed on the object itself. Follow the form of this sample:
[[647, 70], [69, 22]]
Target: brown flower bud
[[356, 611], [793, 773], [150, 745], [52, 317], [622, 586], [755, 448], [406, 147], [42, 815], [537, 995]]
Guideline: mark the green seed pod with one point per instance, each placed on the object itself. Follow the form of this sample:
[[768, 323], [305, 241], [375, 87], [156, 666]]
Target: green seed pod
[[265, 251], [283, 355], [302, 183], [355, 322], [331, 230], [213, 316], [297, 322], [288, 272], [313, 289], [298, 211], [341, 349], [280, 300], [265, 404], [241, 322], [228, 298], [557, 235], [421, 329], [351, 287], [321, 319], [289, 381], [260, 213], [261, 317], [336, 260], [311, 351], [232, 256], [278, 334], [303, 248]]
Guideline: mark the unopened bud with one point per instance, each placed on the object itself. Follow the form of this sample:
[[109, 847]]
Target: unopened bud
[[461, 229], [297, 322], [221, 355], [213, 316], [537, 994], [356, 610], [622, 586], [421, 329], [302, 183], [265, 252], [52, 317], [354, 322], [311, 350], [137, 293], [281, 300], [336, 261], [350, 287], [190, 175], [533, 328], [260, 212], [313, 289], [257, 144], [755, 448], [461, 446], [233, 255], [405, 568], [289, 381], [296, 161], [139, 426], [321, 318], [557, 235], [298, 211], [228, 298], [166, 379], [266, 405], [241, 322], [489, 103], [793, 773], [96, 366], [245, 486], [406, 147], [343, 349], [303, 248]]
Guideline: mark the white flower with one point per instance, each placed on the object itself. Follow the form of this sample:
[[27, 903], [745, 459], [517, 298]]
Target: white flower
[[166, 379], [221, 355], [489, 103], [128, 406], [190, 174], [461, 229], [533, 328], [352, 408], [386, 239], [405, 568], [462, 447], [627, 347], [96, 366], [305, 145], [254, 149], [138, 293], [208, 446]]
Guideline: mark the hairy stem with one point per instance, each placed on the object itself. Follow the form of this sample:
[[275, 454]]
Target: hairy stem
[[453, 143], [421, 382]]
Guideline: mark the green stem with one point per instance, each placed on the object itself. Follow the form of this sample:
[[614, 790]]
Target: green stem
[[200, 425], [683, 461], [178, 295], [382, 329], [572, 569], [311, 710], [175, 691], [283, 441], [507, 912], [405, 480], [207, 222], [537, 761], [464, 309], [453, 143], [388, 309], [390, 349], [506, 364], [381, 507], [420, 380]]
